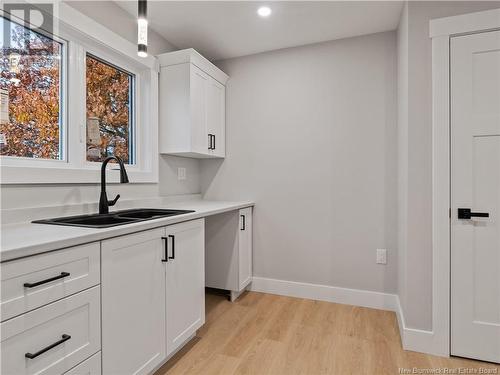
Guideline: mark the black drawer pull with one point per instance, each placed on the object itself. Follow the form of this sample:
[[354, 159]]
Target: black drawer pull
[[34, 355], [166, 249], [32, 285], [243, 222]]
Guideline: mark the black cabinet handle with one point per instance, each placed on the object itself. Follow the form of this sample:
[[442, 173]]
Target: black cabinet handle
[[32, 285], [211, 142], [173, 247], [165, 239], [34, 355], [465, 213], [243, 222]]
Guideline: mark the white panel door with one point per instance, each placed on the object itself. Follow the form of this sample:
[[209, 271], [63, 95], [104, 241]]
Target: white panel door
[[185, 281], [133, 303], [216, 116], [475, 165], [198, 88], [245, 248]]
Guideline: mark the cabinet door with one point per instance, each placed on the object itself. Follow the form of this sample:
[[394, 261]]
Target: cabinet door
[[198, 88], [91, 366], [216, 116], [133, 303], [245, 247], [185, 281]]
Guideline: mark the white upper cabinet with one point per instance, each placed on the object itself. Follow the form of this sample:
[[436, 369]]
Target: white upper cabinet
[[192, 106], [216, 117]]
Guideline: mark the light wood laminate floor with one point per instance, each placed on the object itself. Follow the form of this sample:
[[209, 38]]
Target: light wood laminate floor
[[268, 334]]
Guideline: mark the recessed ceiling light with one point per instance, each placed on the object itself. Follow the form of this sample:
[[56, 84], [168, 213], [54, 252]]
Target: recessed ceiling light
[[264, 11]]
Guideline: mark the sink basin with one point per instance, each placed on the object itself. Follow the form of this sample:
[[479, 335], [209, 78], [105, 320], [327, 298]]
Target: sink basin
[[112, 219], [150, 213], [94, 221]]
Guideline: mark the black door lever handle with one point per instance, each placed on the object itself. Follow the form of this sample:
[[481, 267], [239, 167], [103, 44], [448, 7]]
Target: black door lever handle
[[466, 213]]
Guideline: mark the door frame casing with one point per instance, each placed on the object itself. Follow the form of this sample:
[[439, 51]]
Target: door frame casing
[[441, 32]]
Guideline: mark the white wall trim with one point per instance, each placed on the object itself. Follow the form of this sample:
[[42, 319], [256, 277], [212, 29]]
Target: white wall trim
[[414, 339], [441, 30], [356, 297], [465, 23]]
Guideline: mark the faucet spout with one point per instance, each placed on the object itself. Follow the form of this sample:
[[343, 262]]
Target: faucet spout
[[104, 203]]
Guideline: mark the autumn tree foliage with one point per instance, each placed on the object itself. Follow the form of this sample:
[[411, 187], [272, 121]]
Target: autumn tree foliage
[[108, 99], [30, 73]]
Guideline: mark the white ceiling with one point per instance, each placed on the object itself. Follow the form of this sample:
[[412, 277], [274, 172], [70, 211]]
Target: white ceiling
[[225, 29]]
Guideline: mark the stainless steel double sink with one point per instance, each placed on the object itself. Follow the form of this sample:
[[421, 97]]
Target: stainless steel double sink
[[114, 218]]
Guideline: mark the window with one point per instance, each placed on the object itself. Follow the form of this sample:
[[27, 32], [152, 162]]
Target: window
[[71, 99], [31, 122], [109, 104]]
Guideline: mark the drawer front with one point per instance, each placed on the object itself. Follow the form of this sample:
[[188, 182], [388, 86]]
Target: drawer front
[[57, 337], [91, 366], [74, 270]]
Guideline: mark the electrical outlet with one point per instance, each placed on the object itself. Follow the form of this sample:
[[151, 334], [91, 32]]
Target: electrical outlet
[[181, 173], [381, 256]]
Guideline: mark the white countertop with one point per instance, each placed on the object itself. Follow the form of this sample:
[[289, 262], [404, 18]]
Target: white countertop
[[24, 239]]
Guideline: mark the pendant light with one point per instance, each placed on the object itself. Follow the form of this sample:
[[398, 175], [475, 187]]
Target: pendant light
[[142, 28]]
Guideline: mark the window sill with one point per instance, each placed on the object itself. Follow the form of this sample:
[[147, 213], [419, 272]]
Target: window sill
[[52, 175]]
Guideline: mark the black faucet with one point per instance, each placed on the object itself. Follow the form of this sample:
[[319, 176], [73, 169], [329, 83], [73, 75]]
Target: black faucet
[[103, 201]]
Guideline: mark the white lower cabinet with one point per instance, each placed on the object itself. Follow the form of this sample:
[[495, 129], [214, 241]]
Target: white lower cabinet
[[153, 296], [91, 366], [245, 248], [185, 282], [150, 301], [54, 338], [133, 303], [228, 251]]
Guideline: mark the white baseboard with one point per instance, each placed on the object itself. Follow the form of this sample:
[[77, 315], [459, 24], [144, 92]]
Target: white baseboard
[[412, 339], [356, 297]]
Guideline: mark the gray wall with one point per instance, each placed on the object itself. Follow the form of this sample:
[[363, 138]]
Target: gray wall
[[311, 137], [415, 156], [16, 196]]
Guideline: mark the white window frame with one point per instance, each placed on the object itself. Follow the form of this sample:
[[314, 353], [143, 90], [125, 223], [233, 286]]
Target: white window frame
[[80, 35]]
